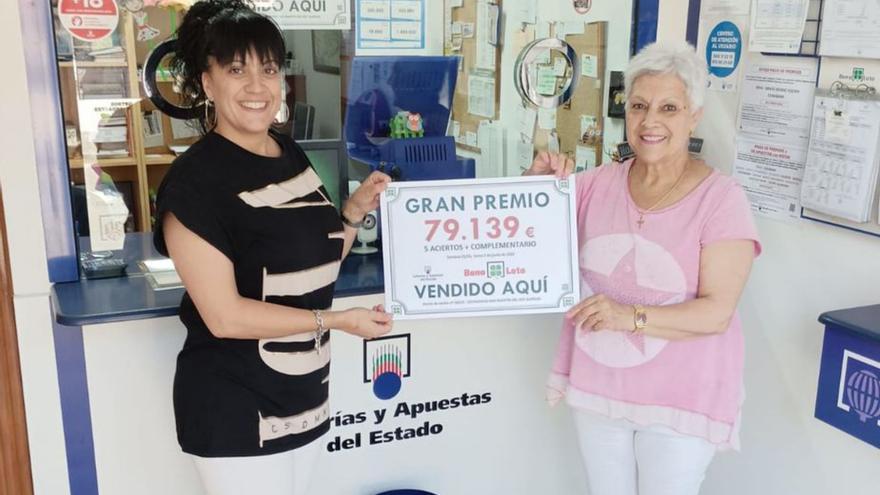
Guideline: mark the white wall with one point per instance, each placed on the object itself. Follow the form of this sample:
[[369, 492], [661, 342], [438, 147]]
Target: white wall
[[806, 269], [18, 180]]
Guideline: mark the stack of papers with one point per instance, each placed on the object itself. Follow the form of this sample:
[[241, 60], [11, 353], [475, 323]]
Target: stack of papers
[[842, 167], [160, 273]]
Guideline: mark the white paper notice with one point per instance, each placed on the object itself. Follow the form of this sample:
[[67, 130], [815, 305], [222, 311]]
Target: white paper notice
[[471, 139], [842, 166], [528, 116], [487, 29], [574, 27], [527, 11], [547, 118], [553, 142], [559, 66], [589, 65], [585, 158], [771, 175], [777, 25], [773, 133], [777, 99], [851, 28], [588, 122], [455, 129], [525, 153], [375, 9], [724, 7], [481, 96], [391, 24], [542, 30]]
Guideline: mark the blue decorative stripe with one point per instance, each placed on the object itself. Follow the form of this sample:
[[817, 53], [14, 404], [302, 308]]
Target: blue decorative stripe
[[646, 23], [49, 142], [693, 22], [75, 410]]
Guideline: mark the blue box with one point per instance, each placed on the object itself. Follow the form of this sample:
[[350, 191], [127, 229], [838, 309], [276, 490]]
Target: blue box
[[848, 395]]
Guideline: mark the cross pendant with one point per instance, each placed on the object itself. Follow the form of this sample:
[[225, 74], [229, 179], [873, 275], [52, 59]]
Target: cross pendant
[[640, 221]]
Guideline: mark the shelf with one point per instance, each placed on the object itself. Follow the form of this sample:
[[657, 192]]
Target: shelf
[[163, 159], [124, 161], [94, 64]]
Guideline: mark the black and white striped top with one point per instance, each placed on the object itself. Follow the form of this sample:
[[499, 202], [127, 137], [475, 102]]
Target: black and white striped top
[[274, 221]]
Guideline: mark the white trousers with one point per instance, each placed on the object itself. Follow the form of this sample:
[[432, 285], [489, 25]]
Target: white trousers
[[623, 458], [287, 473]]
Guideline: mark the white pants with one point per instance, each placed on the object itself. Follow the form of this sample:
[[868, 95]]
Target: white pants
[[287, 473], [623, 458]]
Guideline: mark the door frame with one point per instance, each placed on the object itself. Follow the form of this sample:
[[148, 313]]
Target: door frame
[[15, 466]]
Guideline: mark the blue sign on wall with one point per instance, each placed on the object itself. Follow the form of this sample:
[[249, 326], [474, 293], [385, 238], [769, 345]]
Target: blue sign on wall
[[848, 397], [723, 49]]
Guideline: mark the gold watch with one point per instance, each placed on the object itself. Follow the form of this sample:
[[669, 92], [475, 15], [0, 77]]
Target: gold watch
[[640, 318]]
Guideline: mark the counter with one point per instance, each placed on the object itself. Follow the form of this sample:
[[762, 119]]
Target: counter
[[88, 302]]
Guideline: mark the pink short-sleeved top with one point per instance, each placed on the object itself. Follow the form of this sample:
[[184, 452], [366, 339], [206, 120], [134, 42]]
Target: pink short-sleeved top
[[693, 386]]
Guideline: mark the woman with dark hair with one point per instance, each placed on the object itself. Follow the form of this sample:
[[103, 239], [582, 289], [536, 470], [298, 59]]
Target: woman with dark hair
[[258, 245]]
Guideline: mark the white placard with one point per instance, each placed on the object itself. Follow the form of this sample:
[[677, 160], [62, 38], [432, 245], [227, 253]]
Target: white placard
[[481, 96], [308, 14], [724, 7], [390, 24], [547, 118], [850, 29], [777, 26], [589, 65], [773, 133], [479, 247]]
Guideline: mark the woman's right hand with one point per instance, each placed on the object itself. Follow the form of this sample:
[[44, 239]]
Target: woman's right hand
[[547, 163], [367, 323]]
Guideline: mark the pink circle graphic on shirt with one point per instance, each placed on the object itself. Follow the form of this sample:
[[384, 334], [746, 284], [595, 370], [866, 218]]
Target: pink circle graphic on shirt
[[631, 270]]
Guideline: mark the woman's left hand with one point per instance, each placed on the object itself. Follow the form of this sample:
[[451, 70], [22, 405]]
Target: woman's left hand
[[366, 197], [600, 312]]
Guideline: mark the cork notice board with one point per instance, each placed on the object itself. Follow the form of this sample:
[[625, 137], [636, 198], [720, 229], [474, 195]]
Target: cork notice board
[[587, 98], [466, 48]]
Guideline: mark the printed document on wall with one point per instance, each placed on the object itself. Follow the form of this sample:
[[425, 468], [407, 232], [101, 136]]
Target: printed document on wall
[[724, 8], [851, 28], [842, 161], [773, 129], [777, 25], [481, 96]]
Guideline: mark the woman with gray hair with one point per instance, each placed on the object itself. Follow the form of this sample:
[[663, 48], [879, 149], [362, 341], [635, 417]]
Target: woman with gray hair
[[651, 360]]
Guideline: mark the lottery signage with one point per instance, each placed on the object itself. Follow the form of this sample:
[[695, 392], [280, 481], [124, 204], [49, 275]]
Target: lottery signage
[[479, 247], [88, 20]]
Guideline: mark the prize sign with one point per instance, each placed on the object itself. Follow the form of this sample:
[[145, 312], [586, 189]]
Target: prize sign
[[479, 247], [307, 14], [88, 20]]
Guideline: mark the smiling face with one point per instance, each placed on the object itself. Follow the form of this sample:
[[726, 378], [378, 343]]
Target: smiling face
[[659, 118], [246, 94]]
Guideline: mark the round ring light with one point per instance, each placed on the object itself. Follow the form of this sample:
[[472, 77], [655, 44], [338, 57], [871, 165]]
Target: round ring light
[[151, 85], [526, 79]]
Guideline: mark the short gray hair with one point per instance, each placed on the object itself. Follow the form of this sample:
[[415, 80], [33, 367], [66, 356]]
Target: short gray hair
[[676, 58]]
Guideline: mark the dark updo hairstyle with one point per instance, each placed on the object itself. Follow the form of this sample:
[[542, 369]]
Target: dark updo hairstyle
[[225, 30]]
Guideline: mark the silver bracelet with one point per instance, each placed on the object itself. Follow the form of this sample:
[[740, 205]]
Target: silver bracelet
[[319, 330]]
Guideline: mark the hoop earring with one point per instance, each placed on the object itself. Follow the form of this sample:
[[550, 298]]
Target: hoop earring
[[208, 122], [283, 114]]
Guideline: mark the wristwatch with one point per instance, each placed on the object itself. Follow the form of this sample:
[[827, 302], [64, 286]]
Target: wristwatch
[[640, 318]]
